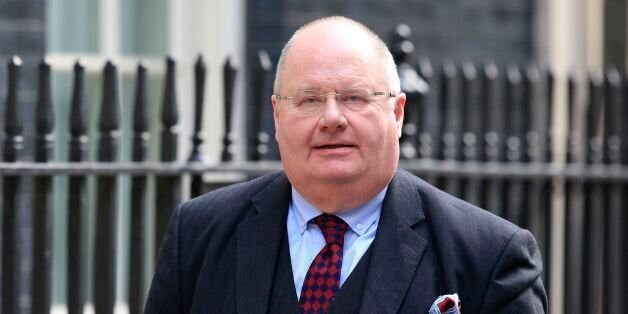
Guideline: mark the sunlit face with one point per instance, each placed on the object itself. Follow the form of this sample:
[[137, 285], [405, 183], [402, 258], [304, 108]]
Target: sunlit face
[[337, 145]]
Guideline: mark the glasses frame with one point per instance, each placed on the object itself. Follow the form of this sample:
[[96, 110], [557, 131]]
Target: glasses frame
[[323, 94]]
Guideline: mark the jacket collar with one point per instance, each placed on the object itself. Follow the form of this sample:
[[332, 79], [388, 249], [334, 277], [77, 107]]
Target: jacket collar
[[397, 249], [258, 240]]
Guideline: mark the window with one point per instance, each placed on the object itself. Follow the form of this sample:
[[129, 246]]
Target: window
[[127, 31]]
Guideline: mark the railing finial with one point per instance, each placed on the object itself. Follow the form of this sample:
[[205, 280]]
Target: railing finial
[[229, 74], [44, 115], [169, 114], [13, 142], [140, 119], [259, 145], [200, 71]]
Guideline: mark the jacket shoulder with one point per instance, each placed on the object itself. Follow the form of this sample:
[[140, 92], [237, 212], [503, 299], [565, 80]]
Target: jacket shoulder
[[224, 208], [227, 199], [457, 217], [477, 249]]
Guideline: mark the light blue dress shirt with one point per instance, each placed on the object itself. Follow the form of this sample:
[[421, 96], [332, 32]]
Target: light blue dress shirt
[[306, 240]]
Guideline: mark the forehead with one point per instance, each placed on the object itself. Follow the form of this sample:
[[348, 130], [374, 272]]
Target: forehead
[[334, 54]]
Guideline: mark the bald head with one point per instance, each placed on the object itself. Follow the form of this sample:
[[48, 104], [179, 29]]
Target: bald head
[[347, 30]]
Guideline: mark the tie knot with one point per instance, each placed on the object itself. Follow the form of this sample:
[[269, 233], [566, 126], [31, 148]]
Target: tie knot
[[333, 228]]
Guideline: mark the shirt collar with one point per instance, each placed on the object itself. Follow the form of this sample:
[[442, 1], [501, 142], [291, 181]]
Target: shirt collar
[[359, 218]]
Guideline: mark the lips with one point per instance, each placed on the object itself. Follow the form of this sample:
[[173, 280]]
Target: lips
[[334, 150], [333, 146]]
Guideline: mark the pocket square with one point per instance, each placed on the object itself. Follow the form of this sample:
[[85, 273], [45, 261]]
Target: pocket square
[[446, 304]]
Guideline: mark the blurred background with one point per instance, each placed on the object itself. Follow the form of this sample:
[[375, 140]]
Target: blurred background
[[566, 40]]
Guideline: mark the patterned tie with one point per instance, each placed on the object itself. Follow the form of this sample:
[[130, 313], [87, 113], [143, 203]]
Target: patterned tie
[[323, 277]]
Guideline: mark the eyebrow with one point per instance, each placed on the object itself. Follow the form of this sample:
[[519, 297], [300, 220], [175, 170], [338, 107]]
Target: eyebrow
[[311, 88]]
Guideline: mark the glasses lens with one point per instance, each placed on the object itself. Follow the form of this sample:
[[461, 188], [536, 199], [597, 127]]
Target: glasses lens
[[311, 101], [356, 99], [308, 101]]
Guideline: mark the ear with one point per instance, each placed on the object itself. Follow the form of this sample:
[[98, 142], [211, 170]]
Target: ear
[[400, 103], [275, 102]]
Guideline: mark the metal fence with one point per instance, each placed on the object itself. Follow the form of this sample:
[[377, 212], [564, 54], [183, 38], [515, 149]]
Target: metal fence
[[481, 132]]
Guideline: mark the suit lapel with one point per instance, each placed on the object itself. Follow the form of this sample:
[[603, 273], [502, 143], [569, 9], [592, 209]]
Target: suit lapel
[[258, 242], [397, 249]]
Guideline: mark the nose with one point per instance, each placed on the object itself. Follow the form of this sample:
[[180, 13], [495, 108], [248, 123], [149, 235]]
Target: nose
[[332, 118]]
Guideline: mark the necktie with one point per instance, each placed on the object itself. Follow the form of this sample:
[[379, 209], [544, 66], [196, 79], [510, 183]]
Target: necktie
[[322, 280]]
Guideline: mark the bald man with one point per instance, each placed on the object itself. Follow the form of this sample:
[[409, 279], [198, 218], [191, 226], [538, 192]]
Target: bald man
[[341, 229]]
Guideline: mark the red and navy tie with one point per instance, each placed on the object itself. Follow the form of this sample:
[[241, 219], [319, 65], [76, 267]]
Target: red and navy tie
[[323, 277]]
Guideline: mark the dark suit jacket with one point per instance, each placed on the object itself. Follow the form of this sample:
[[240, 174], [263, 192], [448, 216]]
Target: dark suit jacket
[[221, 251]]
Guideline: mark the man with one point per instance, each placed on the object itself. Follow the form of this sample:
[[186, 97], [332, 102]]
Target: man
[[342, 229]]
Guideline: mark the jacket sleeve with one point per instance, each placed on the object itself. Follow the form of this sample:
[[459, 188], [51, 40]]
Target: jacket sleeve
[[165, 291], [516, 285]]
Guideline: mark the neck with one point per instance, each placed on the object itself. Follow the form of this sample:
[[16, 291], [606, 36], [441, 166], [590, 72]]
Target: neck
[[335, 198]]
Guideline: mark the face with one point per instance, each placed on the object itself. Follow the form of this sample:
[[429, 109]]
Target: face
[[337, 145]]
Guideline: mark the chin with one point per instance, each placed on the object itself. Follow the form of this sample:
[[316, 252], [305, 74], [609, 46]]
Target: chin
[[337, 175]]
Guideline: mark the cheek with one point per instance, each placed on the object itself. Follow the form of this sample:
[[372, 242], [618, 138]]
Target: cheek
[[384, 138], [291, 133]]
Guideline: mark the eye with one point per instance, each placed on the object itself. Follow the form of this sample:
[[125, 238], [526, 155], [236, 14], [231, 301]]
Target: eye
[[310, 101], [355, 97]]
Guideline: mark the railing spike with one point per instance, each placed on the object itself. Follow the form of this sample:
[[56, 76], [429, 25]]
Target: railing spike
[[624, 137], [76, 201], [261, 81], [413, 86], [44, 115], [106, 210], [472, 115], [428, 134], [140, 120], [513, 74], [168, 187], [612, 120], [514, 113], [594, 116], [200, 71], [78, 126], [450, 111], [491, 136], [11, 225], [170, 113], [550, 77], [197, 137], [401, 46], [426, 70], [490, 70], [229, 75], [13, 122], [109, 108], [533, 130], [137, 260], [574, 134], [42, 197], [469, 71]]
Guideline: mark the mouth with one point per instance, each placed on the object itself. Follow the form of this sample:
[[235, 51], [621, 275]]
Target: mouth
[[333, 146], [334, 150]]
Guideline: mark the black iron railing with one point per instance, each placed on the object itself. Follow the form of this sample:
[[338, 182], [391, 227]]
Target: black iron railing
[[479, 131]]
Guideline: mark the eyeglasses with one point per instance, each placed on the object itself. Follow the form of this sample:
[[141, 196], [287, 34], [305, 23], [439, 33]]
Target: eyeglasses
[[313, 101]]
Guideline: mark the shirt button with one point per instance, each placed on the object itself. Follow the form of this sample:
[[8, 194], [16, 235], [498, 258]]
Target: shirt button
[[360, 226]]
